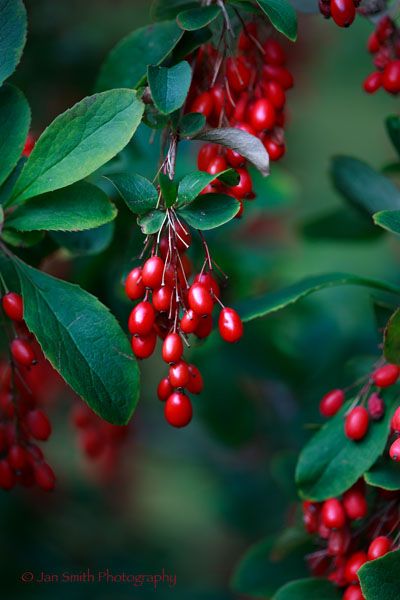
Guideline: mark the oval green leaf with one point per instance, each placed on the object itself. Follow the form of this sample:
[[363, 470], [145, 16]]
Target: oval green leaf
[[15, 118], [191, 124], [306, 589], [282, 16], [193, 184], [138, 192], [380, 578], [85, 243], [151, 222], [169, 86], [393, 129], [389, 220], [197, 18], [13, 25], [385, 474], [210, 211], [391, 345]]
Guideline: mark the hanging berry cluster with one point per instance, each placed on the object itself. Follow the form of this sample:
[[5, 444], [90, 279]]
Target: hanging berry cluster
[[343, 12], [246, 91], [384, 44], [22, 422], [173, 309], [360, 526]]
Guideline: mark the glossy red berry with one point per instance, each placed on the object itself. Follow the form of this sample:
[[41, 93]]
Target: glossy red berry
[[178, 410], [200, 299], [355, 504], [13, 306], [143, 346], [203, 104], [183, 237], [379, 547], [17, 457], [262, 114], [152, 272], [189, 321], [230, 325], [204, 327], [217, 165], [162, 298], [7, 477], [274, 54], [373, 82], [38, 424], [391, 77], [356, 423], [22, 352], [275, 94], [179, 374], [331, 403], [279, 74], [44, 477], [332, 514], [394, 450], [373, 43], [209, 282], [164, 389], [141, 319], [245, 185], [234, 158], [238, 74], [206, 154], [386, 376], [274, 149], [396, 420], [343, 12], [134, 286], [195, 383], [353, 592], [353, 564], [172, 348]]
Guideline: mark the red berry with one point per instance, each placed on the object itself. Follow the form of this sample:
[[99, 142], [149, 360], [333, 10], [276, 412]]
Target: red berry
[[355, 504], [332, 514], [353, 564], [209, 282], [338, 541], [274, 54], [373, 43], [38, 424], [386, 376], [204, 327], [178, 410], [245, 185], [172, 348], [206, 154], [81, 416], [275, 94], [262, 114], [143, 346], [245, 38], [216, 165], [22, 352], [376, 407], [353, 592], [44, 477], [183, 237], [234, 158], [356, 423], [384, 29], [394, 450], [29, 145], [331, 403], [17, 457], [391, 77], [343, 12], [162, 298], [310, 516], [203, 104], [189, 321], [230, 325], [13, 306], [379, 547], [164, 389], [152, 272], [218, 100], [179, 374], [396, 420], [7, 477], [373, 82], [200, 299], [141, 319], [279, 74], [195, 383], [275, 150], [238, 74], [134, 286]]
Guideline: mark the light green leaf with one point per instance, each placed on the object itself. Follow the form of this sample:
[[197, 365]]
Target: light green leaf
[[209, 211], [169, 189], [282, 16], [193, 184], [15, 117], [197, 18], [13, 24], [79, 141], [151, 222], [388, 219], [138, 192], [380, 578], [169, 86]]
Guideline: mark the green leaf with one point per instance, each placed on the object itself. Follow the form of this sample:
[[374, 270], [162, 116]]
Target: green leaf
[[247, 145], [341, 225], [274, 301], [391, 345], [169, 86], [168, 9], [306, 589], [331, 463], [191, 124], [193, 184], [197, 18], [8, 186], [388, 219], [385, 473], [151, 222], [282, 16], [13, 25], [79, 141], [393, 129], [83, 342], [20, 239], [127, 63], [364, 187], [380, 578], [75, 208], [209, 211], [190, 41], [15, 118], [138, 192], [84, 243], [169, 189]]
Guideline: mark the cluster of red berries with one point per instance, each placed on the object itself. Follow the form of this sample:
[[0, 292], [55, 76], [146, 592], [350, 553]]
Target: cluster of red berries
[[246, 91], [358, 417], [352, 531], [384, 44], [343, 12], [172, 309], [21, 421]]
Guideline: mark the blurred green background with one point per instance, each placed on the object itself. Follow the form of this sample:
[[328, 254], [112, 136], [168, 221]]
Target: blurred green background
[[192, 501]]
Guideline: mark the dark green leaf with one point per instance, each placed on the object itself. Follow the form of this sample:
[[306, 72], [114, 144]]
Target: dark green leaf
[[308, 7], [388, 219], [12, 35], [20, 239], [8, 186], [168, 9], [74, 208], [191, 124], [385, 474], [169, 86], [247, 145], [197, 18], [274, 301], [151, 222], [393, 128], [15, 118], [138, 192], [194, 183], [79, 141], [169, 189], [364, 187], [380, 578], [83, 342], [306, 589], [127, 63], [190, 41], [209, 211], [341, 224], [83, 243], [391, 347], [331, 463], [282, 16]]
